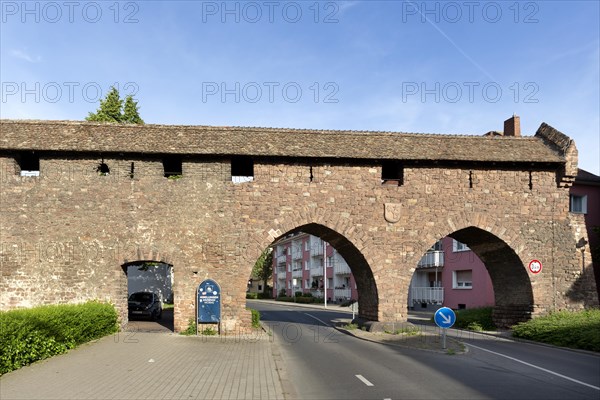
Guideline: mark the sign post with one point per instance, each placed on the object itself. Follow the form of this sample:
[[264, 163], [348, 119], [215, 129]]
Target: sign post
[[208, 304], [444, 318]]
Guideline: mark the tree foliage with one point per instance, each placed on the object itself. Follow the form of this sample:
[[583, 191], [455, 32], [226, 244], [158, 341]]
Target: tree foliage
[[115, 110], [263, 268]]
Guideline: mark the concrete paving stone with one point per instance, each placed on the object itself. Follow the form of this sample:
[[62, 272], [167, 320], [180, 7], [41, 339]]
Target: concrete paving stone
[[136, 365]]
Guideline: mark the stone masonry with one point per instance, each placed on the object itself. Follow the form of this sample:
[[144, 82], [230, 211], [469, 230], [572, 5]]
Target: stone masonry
[[381, 199]]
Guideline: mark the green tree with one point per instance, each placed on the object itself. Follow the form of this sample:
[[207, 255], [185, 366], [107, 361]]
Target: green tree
[[112, 110], [131, 112], [263, 268]]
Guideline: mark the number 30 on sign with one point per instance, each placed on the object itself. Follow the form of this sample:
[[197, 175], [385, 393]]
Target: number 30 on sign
[[535, 266]]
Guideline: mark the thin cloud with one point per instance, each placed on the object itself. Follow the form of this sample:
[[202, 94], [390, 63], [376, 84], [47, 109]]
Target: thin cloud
[[21, 55]]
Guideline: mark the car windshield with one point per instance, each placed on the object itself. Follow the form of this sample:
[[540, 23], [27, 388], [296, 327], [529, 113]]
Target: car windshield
[[141, 297]]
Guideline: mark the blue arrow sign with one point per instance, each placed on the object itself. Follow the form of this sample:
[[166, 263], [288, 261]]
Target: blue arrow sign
[[444, 317]]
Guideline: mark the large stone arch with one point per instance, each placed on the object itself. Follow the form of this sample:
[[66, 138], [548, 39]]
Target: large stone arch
[[505, 255], [341, 234]]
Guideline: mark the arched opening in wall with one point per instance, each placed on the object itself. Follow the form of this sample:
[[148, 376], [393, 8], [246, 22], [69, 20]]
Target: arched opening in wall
[[149, 295], [315, 264], [450, 274], [513, 295], [260, 281]]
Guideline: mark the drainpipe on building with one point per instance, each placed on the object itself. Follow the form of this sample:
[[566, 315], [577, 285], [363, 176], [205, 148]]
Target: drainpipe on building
[[325, 272]]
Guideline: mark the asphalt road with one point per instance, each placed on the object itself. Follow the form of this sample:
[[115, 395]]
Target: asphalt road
[[320, 362]]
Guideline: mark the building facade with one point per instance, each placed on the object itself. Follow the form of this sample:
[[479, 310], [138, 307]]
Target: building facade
[[299, 266], [585, 200], [450, 275]]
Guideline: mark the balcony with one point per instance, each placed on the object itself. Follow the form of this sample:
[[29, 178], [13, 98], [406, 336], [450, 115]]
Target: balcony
[[297, 272], [432, 259], [340, 267], [297, 253], [317, 293], [342, 294], [316, 248], [427, 295], [281, 270], [281, 259]]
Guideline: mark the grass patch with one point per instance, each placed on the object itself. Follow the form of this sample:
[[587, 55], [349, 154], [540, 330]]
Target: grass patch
[[168, 306], [577, 330], [350, 327], [409, 331], [208, 331], [29, 335], [191, 328], [255, 318]]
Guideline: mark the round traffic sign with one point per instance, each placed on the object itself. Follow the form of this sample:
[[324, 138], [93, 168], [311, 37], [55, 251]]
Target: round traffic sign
[[444, 317], [535, 266]]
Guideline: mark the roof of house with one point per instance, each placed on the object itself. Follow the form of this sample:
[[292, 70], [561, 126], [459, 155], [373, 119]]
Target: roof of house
[[78, 136], [584, 177]]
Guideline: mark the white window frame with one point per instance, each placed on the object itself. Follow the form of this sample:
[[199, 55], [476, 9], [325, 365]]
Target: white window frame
[[458, 246], [462, 285], [583, 205]]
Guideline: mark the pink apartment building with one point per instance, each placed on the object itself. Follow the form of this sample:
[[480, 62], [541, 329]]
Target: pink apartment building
[[299, 266], [450, 275], [585, 199]]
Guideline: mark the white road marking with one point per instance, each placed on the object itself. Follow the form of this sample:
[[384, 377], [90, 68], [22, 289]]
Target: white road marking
[[312, 316], [364, 380], [535, 366]]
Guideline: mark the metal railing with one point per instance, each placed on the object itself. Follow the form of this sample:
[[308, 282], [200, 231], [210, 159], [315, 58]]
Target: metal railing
[[432, 258], [427, 295]]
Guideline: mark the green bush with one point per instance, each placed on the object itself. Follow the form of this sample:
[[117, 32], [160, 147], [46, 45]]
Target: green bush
[[475, 319], [29, 335], [577, 330], [255, 318], [307, 294], [191, 328], [251, 295], [285, 298], [266, 295], [304, 300]]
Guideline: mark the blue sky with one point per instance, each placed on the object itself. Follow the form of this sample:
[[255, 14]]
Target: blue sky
[[436, 67]]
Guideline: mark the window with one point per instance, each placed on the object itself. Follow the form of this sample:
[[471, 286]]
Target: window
[[242, 169], [306, 245], [458, 246], [330, 261], [437, 246], [462, 279], [306, 266], [172, 166], [392, 172], [307, 284], [578, 204], [29, 163]]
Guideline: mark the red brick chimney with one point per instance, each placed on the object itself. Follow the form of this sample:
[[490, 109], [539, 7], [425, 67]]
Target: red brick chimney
[[512, 126]]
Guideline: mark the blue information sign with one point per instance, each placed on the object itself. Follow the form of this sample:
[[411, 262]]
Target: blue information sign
[[209, 302], [444, 317]]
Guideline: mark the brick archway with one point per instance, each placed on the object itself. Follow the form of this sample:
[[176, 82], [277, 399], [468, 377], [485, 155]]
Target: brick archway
[[343, 242]]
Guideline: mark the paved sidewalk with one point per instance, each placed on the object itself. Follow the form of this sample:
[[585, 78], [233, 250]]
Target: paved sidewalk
[[134, 365]]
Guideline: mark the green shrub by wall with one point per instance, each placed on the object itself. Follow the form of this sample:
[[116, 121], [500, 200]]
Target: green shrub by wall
[[579, 330], [29, 335]]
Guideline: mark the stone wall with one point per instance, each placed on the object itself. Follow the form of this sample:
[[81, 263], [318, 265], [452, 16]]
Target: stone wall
[[66, 234]]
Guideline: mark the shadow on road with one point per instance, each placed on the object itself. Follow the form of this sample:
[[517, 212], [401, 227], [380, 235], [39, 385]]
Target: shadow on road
[[165, 324]]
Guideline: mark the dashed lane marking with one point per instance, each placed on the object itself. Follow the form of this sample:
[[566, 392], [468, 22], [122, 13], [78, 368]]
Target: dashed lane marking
[[364, 380]]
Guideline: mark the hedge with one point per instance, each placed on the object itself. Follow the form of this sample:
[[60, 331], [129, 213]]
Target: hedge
[[575, 329], [29, 335]]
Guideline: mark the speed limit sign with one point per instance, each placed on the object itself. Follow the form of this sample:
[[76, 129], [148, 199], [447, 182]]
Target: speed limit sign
[[535, 266]]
